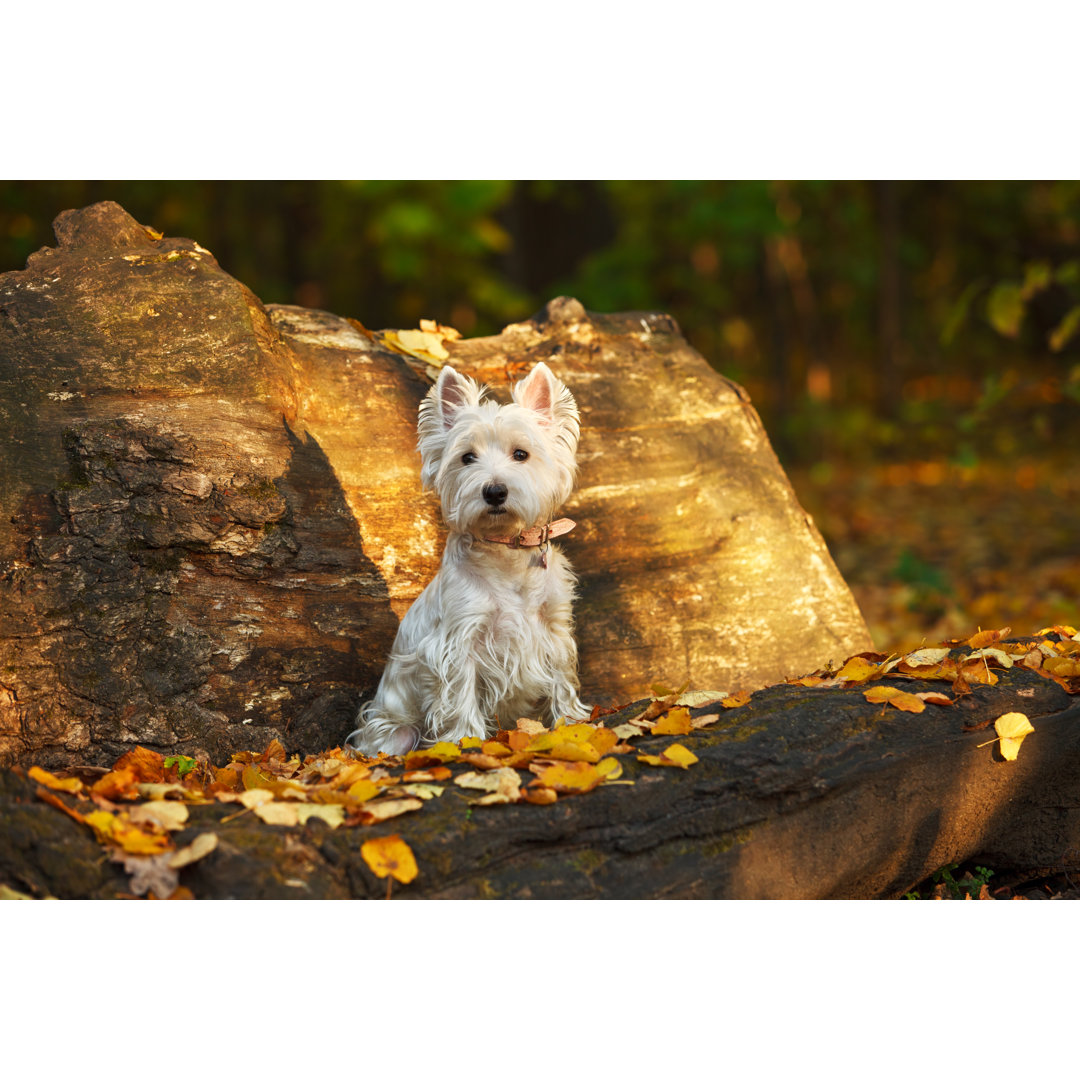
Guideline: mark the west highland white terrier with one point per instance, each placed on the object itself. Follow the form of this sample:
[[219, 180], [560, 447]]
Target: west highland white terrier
[[491, 638]]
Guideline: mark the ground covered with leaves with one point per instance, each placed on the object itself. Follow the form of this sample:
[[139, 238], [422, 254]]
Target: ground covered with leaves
[[931, 548]]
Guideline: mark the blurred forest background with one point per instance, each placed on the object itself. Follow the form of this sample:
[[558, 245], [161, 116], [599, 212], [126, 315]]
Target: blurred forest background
[[913, 347]]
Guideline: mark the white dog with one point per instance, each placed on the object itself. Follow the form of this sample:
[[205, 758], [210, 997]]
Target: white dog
[[491, 638]]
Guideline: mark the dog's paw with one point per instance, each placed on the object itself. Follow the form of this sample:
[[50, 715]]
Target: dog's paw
[[400, 741]]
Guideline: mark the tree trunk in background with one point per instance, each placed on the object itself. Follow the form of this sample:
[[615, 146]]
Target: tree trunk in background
[[211, 517]]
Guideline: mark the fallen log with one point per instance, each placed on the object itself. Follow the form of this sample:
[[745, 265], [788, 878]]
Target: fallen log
[[802, 793]]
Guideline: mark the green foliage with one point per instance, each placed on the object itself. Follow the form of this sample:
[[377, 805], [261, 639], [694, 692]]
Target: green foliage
[[865, 319], [183, 764], [968, 885]]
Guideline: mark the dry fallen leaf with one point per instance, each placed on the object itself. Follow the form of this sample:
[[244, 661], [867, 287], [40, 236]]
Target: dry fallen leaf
[[694, 699], [676, 754], [168, 815], [735, 701], [384, 809], [390, 856], [199, 848], [118, 830], [676, 722], [72, 783], [150, 873], [935, 698], [569, 778], [899, 699], [857, 670], [1012, 729]]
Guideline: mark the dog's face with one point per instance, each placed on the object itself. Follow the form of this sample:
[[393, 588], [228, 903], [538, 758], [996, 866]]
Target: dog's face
[[498, 469]]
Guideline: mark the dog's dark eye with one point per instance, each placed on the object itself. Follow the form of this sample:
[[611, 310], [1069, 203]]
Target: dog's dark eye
[[521, 455], [468, 459]]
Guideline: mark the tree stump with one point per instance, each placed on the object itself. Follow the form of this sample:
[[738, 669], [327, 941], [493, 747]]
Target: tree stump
[[212, 518]]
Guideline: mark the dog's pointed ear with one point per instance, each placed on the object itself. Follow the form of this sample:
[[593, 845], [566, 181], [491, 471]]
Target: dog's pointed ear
[[548, 397], [453, 392]]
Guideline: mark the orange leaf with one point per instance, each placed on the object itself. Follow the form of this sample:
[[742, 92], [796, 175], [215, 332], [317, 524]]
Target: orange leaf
[[147, 765], [900, 699], [274, 752], [118, 784], [427, 776], [734, 701], [987, 637], [934, 698], [676, 722], [390, 856], [603, 739], [539, 796]]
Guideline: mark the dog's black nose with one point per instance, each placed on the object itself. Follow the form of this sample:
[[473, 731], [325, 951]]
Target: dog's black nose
[[494, 494]]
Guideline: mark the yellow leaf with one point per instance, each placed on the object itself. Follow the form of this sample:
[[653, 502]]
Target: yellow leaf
[[900, 699], [676, 722], [72, 783], [363, 790], [571, 777], [676, 754], [574, 751], [471, 742], [390, 856], [199, 848], [1012, 728], [610, 768], [433, 755], [568, 733], [858, 670], [448, 333], [419, 343], [117, 829]]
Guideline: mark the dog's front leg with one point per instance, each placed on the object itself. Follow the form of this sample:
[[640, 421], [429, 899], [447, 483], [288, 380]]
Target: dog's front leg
[[458, 712]]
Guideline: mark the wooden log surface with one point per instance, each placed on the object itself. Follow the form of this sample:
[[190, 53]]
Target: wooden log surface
[[802, 793]]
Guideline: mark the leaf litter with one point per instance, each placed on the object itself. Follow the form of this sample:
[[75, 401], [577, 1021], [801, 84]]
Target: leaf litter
[[135, 808]]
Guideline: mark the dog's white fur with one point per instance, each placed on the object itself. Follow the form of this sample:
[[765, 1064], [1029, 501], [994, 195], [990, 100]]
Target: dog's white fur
[[491, 638]]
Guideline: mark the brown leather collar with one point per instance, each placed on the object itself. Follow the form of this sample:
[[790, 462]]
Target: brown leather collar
[[535, 537]]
